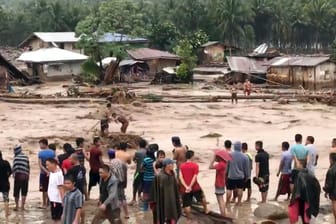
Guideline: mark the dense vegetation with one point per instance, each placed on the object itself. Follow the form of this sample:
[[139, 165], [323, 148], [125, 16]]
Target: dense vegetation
[[299, 24]]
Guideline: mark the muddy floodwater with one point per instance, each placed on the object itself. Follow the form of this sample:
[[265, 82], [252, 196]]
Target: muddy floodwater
[[248, 121]]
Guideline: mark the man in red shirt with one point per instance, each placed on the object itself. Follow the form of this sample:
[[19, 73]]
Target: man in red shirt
[[189, 185], [96, 162]]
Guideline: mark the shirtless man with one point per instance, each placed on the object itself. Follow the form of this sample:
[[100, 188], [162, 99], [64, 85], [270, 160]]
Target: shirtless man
[[122, 120], [247, 87], [179, 152], [108, 116]]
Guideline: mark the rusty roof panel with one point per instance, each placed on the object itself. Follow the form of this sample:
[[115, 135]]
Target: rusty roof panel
[[246, 65], [149, 54]]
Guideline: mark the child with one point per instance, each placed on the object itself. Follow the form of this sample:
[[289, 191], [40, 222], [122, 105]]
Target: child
[[157, 165], [285, 168], [73, 202], [148, 178], [248, 183], [220, 163], [55, 190], [330, 183]]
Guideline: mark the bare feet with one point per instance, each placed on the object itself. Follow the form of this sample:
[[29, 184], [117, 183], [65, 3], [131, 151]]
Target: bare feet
[[238, 204]]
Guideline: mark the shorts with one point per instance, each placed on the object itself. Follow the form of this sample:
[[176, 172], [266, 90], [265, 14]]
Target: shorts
[[20, 185], [138, 182], [219, 190], [235, 184], [293, 177], [44, 182], [56, 211], [187, 198], [5, 196], [94, 179], [146, 186], [248, 184]]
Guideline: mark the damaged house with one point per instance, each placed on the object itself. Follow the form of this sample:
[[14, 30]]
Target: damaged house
[[214, 52], [309, 72], [156, 59], [9, 72], [242, 68], [53, 63]]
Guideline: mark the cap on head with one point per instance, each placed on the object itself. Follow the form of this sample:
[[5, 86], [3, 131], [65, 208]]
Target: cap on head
[[167, 162], [17, 149], [237, 146], [111, 154]]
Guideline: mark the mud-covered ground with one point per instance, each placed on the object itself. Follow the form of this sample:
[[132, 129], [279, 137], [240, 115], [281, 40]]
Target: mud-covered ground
[[247, 121]]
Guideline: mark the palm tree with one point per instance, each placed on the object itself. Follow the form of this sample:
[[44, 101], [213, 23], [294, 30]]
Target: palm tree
[[231, 17]]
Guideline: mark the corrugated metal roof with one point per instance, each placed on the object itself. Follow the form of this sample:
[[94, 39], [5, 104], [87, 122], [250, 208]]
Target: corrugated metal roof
[[246, 65], [129, 62], [57, 37], [303, 61], [148, 54], [46, 55], [118, 37]]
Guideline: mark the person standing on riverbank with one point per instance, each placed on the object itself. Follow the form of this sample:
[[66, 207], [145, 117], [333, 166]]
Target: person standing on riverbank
[[55, 190], [248, 182], [164, 197], [95, 161], [43, 155], [330, 183], [21, 171], [312, 154], [138, 175], [238, 173], [285, 169], [219, 163], [108, 198], [190, 187], [5, 172], [262, 170], [73, 202]]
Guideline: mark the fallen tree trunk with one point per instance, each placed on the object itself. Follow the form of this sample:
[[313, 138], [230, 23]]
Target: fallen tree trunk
[[51, 100]]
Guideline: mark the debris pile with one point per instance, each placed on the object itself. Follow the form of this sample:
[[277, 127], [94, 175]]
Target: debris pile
[[117, 95], [115, 138]]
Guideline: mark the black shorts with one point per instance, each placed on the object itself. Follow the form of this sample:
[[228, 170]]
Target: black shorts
[[138, 182], [294, 175], [248, 184], [235, 184], [20, 185], [56, 211], [187, 198], [44, 182], [265, 186], [104, 124], [94, 179]]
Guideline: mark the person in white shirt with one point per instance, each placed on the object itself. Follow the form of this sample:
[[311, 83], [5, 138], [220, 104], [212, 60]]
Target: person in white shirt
[[312, 154], [55, 190]]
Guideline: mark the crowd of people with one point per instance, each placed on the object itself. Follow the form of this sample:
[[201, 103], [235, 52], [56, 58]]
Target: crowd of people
[[167, 186]]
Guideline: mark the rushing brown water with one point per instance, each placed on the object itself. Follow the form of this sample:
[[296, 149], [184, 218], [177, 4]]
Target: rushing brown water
[[248, 121]]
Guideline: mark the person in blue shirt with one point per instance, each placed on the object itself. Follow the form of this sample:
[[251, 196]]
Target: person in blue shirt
[[298, 150], [43, 156], [148, 177], [285, 169]]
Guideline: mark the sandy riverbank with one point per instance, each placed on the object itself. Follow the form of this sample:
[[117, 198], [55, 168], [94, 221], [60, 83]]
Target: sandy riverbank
[[248, 121]]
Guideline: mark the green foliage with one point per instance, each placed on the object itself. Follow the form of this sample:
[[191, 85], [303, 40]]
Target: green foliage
[[186, 51], [299, 24], [333, 54], [90, 71]]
